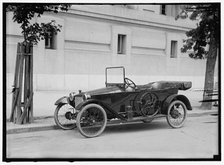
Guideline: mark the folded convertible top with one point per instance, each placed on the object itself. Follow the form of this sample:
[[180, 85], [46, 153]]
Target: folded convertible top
[[181, 85]]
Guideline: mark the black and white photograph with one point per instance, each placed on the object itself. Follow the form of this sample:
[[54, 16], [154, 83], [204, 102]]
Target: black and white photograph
[[111, 81]]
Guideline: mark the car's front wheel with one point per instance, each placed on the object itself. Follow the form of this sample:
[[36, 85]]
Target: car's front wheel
[[91, 120], [65, 116], [176, 114]]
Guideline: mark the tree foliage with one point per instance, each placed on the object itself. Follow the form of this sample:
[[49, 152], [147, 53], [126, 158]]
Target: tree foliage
[[207, 30], [206, 34], [24, 13]]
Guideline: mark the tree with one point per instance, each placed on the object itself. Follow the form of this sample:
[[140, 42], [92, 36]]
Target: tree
[[206, 33], [23, 13]]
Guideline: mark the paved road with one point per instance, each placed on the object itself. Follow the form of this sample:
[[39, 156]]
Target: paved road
[[197, 139]]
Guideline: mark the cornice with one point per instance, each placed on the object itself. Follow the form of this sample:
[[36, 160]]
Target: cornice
[[131, 16]]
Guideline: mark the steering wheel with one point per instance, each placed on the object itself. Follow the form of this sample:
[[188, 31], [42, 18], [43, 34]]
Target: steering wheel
[[129, 83]]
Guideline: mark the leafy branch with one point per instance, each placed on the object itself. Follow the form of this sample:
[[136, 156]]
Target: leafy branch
[[34, 32], [207, 29]]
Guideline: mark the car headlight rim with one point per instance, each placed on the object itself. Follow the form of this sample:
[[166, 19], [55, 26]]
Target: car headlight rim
[[86, 96], [71, 96]]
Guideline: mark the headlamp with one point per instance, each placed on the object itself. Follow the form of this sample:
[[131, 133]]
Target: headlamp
[[86, 96], [71, 96]]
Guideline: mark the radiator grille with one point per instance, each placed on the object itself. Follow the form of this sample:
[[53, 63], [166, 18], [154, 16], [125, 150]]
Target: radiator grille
[[78, 100]]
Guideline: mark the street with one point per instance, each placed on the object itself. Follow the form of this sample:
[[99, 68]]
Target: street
[[197, 139]]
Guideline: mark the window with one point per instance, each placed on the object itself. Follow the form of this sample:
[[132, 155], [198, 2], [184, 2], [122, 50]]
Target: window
[[121, 44], [50, 40], [163, 9], [173, 49]]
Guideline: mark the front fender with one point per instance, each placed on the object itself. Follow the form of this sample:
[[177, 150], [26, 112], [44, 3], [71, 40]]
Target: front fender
[[62, 100], [169, 99]]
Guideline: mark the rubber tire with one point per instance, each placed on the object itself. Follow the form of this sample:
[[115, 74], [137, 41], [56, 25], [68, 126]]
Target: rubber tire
[[79, 117], [57, 121], [185, 113]]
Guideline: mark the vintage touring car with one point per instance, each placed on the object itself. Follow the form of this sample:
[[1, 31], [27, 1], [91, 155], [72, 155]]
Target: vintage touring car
[[122, 100]]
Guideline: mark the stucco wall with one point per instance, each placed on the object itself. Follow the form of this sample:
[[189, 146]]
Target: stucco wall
[[86, 45]]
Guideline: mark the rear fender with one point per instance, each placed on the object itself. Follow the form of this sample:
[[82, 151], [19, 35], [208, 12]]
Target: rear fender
[[62, 100], [171, 98]]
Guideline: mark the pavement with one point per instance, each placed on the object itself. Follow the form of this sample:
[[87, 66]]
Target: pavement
[[47, 123]]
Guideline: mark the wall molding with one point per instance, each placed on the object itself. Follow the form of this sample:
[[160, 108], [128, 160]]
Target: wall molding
[[131, 16]]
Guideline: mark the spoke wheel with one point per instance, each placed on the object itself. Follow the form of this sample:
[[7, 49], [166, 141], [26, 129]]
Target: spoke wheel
[[91, 120], [176, 114], [148, 104], [65, 116]]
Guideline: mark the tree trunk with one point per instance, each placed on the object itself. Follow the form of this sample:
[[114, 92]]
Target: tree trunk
[[209, 75], [22, 98]]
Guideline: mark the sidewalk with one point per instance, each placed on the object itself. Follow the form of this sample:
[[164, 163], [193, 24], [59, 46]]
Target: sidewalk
[[47, 123]]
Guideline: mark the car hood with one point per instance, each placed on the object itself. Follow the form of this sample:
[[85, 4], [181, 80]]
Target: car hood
[[105, 90]]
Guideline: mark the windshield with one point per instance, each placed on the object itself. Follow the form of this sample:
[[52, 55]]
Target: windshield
[[115, 75]]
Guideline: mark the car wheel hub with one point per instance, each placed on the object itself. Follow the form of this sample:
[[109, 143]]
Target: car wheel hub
[[70, 116], [175, 113]]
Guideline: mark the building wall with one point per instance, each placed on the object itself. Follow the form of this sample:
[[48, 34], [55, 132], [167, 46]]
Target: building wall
[[87, 44]]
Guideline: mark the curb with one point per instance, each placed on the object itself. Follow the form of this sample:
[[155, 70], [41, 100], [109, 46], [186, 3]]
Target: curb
[[55, 127], [31, 129], [205, 112]]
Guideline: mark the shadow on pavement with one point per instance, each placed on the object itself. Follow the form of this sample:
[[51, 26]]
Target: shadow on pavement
[[135, 127]]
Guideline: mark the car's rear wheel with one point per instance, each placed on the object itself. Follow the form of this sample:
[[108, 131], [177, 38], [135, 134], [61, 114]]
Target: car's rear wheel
[[176, 114], [91, 120], [65, 116]]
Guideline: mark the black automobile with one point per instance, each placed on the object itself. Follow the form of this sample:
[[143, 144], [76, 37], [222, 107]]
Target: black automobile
[[124, 101]]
